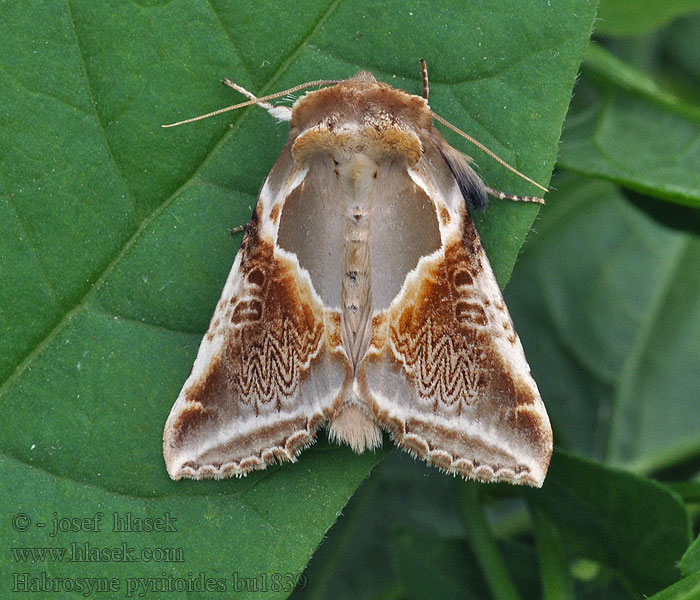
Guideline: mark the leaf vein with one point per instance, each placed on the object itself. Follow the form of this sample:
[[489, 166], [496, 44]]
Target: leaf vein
[[98, 120]]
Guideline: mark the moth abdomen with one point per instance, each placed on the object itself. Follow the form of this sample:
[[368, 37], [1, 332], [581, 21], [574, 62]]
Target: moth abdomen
[[356, 176]]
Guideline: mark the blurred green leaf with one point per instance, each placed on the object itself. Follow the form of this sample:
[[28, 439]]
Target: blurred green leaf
[[591, 506], [432, 567], [602, 64], [685, 589], [688, 490], [483, 542], [354, 559], [633, 528], [623, 127], [632, 17], [607, 303], [681, 51], [114, 239]]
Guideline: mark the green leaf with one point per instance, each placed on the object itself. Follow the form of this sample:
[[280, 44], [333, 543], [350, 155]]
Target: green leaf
[[114, 232], [691, 559], [607, 303], [631, 17], [591, 507], [623, 127], [685, 589]]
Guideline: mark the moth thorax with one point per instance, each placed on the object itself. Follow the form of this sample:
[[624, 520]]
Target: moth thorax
[[378, 139]]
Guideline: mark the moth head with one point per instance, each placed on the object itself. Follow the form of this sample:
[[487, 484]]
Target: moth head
[[360, 115], [360, 101]]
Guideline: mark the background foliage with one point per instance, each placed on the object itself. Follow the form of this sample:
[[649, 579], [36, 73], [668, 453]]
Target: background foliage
[[114, 246]]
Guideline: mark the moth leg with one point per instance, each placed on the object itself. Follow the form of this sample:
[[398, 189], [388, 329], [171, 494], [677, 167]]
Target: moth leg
[[238, 229], [281, 113], [503, 196], [424, 76]]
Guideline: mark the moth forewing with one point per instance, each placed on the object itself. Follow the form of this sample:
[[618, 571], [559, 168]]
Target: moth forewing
[[362, 299]]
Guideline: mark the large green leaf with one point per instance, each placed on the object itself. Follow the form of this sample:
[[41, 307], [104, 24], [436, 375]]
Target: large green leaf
[[114, 233], [607, 303]]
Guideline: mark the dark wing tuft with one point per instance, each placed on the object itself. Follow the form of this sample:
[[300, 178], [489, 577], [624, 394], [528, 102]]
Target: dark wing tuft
[[470, 184]]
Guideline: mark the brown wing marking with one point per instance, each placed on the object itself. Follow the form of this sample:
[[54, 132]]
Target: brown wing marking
[[267, 374], [447, 375]]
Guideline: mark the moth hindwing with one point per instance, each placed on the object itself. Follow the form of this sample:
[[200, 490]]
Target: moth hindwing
[[361, 299]]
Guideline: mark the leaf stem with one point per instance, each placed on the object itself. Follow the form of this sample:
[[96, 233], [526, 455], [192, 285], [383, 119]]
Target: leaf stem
[[603, 63], [483, 543], [554, 571]]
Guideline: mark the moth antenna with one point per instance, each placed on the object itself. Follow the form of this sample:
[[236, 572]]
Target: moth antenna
[[503, 196], [424, 75], [489, 152], [241, 90], [281, 113], [291, 90]]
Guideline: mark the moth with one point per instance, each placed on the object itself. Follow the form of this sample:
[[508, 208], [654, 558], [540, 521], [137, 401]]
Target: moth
[[361, 300]]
